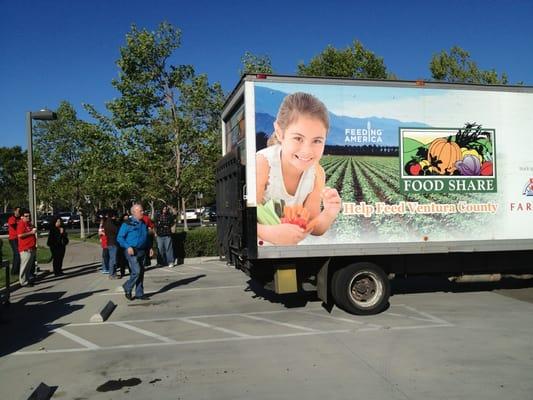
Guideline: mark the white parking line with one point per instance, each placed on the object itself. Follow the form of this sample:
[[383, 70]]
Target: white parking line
[[185, 342], [217, 328], [144, 332], [121, 293], [429, 317], [314, 314], [399, 328], [271, 321], [205, 269], [77, 339], [179, 318], [434, 322], [166, 270]]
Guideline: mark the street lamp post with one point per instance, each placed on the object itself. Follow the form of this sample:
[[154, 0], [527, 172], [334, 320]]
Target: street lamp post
[[43, 115]]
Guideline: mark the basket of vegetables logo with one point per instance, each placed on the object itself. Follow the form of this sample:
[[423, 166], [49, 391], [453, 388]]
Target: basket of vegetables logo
[[446, 160]]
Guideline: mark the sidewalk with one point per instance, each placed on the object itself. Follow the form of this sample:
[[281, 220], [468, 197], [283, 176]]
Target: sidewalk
[[80, 257], [78, 253]]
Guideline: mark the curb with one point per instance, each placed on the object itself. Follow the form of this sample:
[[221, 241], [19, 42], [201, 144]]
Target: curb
[[104, 312], [199, 260]]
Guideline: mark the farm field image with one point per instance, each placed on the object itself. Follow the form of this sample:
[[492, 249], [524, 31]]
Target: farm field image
[[372, 185]]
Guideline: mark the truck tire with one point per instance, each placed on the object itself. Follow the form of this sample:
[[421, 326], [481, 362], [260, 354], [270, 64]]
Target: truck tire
[[361, 288]]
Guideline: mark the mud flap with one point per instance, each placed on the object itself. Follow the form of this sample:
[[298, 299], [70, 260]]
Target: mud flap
[[322, 286], [285, 281]]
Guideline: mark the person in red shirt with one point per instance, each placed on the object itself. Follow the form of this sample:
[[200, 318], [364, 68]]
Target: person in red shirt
[[13, 239], [105, 250], [150, 224], [27, 246]]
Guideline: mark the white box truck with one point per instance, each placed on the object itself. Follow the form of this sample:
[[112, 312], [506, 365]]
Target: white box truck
[[340, 184]]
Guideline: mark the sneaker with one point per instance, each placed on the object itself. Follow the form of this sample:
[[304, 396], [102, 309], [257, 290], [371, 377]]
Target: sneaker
[[170, 266], [128, 296], [105, 272]]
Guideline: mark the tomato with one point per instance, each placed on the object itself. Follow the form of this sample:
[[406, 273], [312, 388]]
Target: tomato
[[486, 168], [415, 169], [301, 222], [412, 167]]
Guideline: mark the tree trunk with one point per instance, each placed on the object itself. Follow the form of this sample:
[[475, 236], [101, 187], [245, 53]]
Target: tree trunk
[[82, 226], [185, 226]]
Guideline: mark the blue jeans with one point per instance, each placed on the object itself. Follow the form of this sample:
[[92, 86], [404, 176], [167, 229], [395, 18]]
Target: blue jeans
[[105, 260], [165, 248], [112, 263], [136, 263]]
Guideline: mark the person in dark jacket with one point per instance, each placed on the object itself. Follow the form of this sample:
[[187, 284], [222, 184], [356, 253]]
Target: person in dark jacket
[[163, 230], [111, 229], [57, 241]]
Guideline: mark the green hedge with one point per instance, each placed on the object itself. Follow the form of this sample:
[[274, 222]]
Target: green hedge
[[199, 242]]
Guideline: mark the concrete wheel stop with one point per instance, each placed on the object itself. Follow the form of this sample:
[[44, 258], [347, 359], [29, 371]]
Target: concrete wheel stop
[[104, 312]]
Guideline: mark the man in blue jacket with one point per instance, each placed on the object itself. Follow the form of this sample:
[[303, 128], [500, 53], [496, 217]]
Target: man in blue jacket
[[133, 237]]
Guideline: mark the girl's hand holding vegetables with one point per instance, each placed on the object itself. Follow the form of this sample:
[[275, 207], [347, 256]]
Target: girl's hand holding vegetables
[[283, 234]]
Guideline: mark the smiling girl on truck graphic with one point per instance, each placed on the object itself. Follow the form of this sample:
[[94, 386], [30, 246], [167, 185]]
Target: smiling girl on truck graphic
[[288, 173]]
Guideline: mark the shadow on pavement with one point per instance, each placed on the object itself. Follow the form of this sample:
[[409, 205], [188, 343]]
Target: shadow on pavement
[[293, 300], [30, 320], [49, 277], [84, 269], [429, 284], [509, 287], [175, 284]]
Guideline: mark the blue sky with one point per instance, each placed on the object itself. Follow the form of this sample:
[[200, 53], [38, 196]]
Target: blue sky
[[66, 50]]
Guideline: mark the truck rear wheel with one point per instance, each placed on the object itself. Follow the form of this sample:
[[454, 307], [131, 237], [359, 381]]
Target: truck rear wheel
[[361, 288]]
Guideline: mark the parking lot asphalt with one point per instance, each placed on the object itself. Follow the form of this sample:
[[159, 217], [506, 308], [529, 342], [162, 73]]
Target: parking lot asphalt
[[208, 332]]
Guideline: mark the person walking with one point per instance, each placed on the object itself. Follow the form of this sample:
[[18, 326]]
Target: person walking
[[133, 237], [163, 231], [27, 248], [105, 252], [122, 263], [12, 222], [111, 230], [57, 241], [150, 225]]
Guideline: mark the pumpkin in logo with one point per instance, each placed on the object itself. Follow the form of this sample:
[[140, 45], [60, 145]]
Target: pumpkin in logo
[[445, 151]]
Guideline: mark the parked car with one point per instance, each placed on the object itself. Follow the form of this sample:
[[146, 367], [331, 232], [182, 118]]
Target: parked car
[[75, 220], [190, 214], [44, 221], [3, 223], [65, 217], [209, 216]]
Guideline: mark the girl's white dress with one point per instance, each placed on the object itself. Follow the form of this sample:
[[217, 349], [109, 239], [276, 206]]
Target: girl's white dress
[[275, 188]]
